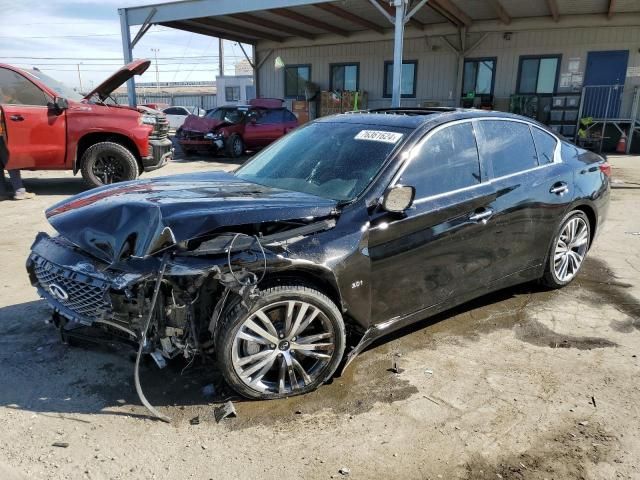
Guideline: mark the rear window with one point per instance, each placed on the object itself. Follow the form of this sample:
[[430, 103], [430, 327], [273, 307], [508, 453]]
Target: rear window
[[545, 146], [507, 145]]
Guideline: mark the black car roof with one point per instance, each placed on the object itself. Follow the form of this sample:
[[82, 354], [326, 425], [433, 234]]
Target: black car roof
[[411, 117]]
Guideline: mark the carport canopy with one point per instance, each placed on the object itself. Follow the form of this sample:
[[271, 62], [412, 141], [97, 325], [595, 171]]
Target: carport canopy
[[281, 21]]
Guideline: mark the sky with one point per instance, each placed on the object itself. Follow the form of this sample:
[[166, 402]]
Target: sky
[[58, 35]]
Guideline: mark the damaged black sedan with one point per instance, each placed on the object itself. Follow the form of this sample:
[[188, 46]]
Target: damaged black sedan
[[342, 231]]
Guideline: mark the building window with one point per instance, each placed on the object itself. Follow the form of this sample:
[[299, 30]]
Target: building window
[[479, 76], [232, 94], [344, 76], [295, 80], [538, 75], [409, 77]]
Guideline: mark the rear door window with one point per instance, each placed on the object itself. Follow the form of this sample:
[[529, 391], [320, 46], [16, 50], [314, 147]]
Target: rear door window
[[545, 146], [507, 145], [17, 90], [446, 161], [270, 116]]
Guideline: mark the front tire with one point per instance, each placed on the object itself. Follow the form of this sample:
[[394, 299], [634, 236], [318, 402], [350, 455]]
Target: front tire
[[234, 147], [289, 342], [568, 250], [107, 162]]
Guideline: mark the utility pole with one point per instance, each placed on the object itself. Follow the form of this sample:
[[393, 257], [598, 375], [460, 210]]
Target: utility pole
[[80, 78], [155, 53], [221, 56]]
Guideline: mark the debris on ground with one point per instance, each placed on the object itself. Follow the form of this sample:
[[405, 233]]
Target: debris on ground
[[428, 371], [195, 421], [584, 423], [60, 444], [593, 401], [396, 368], [344, 471], [224, 411]]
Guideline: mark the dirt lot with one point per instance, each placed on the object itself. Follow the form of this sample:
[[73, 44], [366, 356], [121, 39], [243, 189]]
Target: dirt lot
[[524, 384]]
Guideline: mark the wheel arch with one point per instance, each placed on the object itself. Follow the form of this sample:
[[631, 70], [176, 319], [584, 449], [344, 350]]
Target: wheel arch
[[590, 212], [321, 280], [97, 137]]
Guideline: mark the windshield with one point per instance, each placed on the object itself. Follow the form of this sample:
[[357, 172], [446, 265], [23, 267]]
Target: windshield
[[327, 159], [60, 88]]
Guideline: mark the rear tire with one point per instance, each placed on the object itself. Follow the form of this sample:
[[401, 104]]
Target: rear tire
[[568, 250], [262, 355], [107, 162], [234, 146]]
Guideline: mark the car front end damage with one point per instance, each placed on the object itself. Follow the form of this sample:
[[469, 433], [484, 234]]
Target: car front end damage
[[165, 291]]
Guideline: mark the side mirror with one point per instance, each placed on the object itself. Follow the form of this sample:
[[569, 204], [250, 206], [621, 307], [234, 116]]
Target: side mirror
[[398, 198], [60, 104]]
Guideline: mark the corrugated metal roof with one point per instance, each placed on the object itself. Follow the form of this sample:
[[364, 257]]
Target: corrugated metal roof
[[278, 26]]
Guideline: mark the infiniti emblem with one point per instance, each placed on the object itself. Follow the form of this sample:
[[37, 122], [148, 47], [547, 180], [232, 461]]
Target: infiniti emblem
[[58, 292]]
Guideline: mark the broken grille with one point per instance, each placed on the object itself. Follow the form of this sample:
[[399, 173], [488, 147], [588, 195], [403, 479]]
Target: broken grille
[[85, 296]]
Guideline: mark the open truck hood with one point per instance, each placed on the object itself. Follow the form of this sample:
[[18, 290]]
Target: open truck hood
[[142, 216], [137, 67]]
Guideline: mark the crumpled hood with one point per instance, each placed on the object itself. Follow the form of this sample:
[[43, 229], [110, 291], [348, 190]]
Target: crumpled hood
[[142, 216], [194, 123]]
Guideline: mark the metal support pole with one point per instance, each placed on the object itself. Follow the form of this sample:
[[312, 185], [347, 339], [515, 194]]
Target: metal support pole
[[462, 32], [398, 42], [127, 53], [634, 117], [580, 108], [604, 123]]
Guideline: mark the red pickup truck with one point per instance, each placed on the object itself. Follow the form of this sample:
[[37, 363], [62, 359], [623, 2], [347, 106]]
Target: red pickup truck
[[48, 126]]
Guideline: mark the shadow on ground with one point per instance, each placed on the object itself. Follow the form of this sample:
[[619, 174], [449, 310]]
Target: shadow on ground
[[43, 375]]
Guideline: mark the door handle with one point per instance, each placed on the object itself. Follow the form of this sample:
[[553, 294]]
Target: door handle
[[482, 216], [17, 118], [559, 188]]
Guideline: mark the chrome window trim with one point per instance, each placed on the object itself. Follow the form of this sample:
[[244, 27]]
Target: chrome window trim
[[411, 155]]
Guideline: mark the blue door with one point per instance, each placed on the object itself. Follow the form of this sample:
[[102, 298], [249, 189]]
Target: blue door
[[604, 79]]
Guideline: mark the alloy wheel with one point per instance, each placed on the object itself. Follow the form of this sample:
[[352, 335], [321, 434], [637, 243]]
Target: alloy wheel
[[283, 347], [571, 249], [108, 169]]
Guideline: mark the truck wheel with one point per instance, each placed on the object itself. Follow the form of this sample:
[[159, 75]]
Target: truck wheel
[[234, 146], [108, 162], [289, 342]]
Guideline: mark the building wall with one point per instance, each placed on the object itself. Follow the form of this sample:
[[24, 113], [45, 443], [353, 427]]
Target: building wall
[[438, 64], [245, 82]]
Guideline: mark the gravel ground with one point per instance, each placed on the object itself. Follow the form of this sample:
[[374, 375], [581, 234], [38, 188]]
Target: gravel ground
[[522, 384]]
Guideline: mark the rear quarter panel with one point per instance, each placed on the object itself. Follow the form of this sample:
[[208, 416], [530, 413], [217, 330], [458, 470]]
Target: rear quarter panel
[[591, 186]]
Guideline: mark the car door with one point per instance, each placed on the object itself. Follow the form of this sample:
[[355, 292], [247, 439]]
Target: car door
[[36, 134], [532, 187], [268, 127], [441, 248]]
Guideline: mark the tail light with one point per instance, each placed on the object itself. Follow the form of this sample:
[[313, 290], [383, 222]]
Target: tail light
[[605, 168]]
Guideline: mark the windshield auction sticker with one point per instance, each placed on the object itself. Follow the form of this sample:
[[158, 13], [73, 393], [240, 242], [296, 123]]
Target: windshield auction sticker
[[378, 136]]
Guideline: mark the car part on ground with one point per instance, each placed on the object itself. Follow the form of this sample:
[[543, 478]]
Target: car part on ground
[[52, 127], [331, 239]]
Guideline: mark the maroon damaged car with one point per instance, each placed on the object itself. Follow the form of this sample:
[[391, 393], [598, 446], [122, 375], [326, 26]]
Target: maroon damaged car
[[233, 129]]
